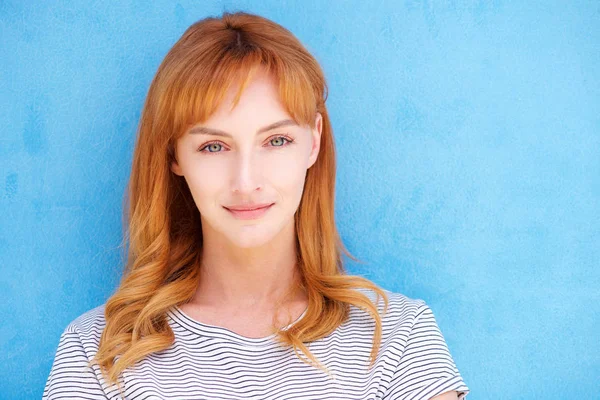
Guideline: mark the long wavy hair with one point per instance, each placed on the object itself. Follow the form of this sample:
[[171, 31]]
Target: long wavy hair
[[163, 231]]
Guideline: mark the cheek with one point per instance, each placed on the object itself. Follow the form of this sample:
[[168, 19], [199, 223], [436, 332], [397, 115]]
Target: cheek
[[204, 183], [287, 173]]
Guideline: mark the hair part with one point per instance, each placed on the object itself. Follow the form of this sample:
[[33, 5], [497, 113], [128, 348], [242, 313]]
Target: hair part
[[163, 226]]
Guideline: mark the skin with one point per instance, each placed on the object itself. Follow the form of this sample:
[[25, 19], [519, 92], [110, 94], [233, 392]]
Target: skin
[[247, 264]]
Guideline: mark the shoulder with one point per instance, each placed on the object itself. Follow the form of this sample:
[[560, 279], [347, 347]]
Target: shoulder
[[87, 327], [71, 375], [88, 321], [395, 298], [401, 310], [412, 338], [397, 322]]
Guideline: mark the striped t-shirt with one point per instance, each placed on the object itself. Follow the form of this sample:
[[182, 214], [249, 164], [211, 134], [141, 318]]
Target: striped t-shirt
[[212, 362]]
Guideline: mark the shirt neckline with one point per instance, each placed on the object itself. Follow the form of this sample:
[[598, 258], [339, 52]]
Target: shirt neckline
[[208, 330]]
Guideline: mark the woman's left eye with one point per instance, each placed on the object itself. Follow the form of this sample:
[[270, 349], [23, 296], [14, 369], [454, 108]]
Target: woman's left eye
[[286, 140], [283, 139]]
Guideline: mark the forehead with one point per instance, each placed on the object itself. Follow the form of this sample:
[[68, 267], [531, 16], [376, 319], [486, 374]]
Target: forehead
[[258, 100], [259, 110]]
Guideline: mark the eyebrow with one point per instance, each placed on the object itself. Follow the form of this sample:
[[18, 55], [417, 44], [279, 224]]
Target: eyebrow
[[216, 132]]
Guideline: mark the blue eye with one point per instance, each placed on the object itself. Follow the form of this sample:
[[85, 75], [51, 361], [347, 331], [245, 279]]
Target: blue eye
[[286, 141], [280, 137], [211, 144]]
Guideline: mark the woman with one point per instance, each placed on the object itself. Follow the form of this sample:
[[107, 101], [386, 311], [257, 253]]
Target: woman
[[234, 286]]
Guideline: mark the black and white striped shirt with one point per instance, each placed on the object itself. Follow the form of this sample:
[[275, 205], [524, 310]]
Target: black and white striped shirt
[[211, 362]]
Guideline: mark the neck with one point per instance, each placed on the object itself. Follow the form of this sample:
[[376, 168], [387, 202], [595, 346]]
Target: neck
[[248, 278]]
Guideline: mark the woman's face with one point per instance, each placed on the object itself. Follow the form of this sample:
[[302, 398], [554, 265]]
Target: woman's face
[[256, 154]]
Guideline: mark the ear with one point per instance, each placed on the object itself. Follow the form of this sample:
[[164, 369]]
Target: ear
[[316, 140], [176, 168]]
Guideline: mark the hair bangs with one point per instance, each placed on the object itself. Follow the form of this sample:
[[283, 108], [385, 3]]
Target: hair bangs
[[204, 86]]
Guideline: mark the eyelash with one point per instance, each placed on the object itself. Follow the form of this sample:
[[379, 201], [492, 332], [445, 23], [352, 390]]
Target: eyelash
[[288, 141]]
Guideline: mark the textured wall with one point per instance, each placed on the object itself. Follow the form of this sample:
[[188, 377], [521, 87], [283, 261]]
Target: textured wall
[[469, 169]]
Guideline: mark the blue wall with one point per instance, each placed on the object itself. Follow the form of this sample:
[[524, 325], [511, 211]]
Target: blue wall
[[469, 169]]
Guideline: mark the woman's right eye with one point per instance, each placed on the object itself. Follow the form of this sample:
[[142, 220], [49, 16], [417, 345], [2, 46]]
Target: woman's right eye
[[207, 146]]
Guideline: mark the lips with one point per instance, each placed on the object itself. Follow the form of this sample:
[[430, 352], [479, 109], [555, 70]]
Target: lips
[[252, 213], [248, 207]]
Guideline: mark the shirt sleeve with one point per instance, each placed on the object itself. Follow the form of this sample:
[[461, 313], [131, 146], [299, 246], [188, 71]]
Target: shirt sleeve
[[70, 377], [426, 368]]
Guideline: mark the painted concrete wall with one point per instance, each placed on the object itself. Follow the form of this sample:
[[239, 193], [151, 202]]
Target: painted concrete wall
[[468, 136]]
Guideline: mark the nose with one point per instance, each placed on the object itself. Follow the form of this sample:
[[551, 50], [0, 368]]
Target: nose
[[246, 174]]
